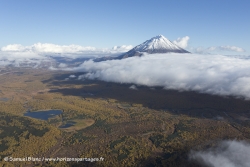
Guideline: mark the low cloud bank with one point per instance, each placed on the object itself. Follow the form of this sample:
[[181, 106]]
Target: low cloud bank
[[217, 49], [48, 48], [17, 54], [213, 74], [227, 48], [227, 154]]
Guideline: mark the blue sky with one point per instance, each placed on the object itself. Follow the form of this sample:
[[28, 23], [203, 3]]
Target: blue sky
[[104, 24]]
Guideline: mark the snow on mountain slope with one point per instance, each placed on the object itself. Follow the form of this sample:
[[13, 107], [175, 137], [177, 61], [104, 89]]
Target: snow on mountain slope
[[157, 44]]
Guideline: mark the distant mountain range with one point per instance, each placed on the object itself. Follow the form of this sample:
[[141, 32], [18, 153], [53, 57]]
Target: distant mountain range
[[157, 44]]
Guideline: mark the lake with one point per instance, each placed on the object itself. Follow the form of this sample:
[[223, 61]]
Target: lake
[[68, 124], [43, 115]]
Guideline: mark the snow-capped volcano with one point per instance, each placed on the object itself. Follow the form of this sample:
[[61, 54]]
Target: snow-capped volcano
[[157, 44]]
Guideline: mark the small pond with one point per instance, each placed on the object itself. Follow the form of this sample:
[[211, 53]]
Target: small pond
[[43, 115], [68, 124], [4, 99]]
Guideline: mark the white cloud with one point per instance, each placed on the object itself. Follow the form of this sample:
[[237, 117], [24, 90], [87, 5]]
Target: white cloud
[[226, 48], [199, 50], [213, 74], [4, 63], [227, 154], [45, 48], [217, 49], [52, 48], [13, 48], [62, 65], [55, 50], [212, 48], [231, 48], [16, 53], [133, 87], [72, 76], [182, 42], [19, 56], [123, 48]]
